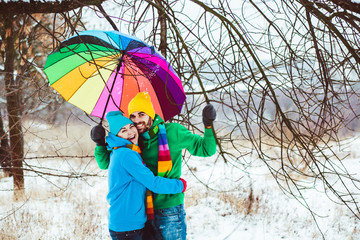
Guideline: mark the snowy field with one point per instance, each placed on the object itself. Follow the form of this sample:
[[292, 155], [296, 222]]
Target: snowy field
[[217, 200]]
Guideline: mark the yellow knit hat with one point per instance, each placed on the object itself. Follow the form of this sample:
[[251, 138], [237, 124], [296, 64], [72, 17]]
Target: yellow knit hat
[[141, 103]]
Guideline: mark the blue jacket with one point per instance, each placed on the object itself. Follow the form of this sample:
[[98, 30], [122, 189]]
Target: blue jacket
[[128, 179]]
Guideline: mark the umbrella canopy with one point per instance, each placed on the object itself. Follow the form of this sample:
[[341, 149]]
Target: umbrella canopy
[[100, 71]]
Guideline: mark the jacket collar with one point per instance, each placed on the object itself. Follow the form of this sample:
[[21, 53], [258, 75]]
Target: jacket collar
[[153, 129], [115, 141]]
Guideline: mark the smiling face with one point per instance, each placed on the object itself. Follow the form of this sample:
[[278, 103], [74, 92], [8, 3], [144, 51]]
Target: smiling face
[[142, 121], [129, 132]]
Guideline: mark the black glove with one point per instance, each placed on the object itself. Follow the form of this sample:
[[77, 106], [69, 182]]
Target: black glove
[[209, 115], [97, 134]]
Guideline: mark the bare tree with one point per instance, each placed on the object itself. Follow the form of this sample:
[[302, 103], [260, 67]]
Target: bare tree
[[284, 76], [15, 132], [11, 12]]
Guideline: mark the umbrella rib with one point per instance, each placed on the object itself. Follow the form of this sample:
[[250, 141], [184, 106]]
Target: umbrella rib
[[130, 69], [107, 51], [102, 78], [92, 61], [88, 50], [140, 72], [97, 68], [94, 74], [169, 97], [112, 86]]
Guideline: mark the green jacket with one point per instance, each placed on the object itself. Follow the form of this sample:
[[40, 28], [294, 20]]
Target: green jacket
[[179, 138]]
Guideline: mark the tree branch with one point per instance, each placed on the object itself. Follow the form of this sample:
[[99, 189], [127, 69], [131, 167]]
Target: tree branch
[[20, 7]]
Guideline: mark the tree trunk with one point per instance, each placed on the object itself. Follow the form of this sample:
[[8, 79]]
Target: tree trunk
[[13, 107], [5, 159], [163, 30]]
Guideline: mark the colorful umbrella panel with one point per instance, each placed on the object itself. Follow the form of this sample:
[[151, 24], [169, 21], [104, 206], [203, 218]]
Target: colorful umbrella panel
[[101, 71]]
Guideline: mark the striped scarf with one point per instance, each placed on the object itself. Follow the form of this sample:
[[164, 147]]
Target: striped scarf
[[149, 205], [134, 147], [164, 163], [164, 159]]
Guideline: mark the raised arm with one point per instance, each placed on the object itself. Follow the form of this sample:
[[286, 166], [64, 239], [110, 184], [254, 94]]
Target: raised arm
[[197, 145], [102, 155]]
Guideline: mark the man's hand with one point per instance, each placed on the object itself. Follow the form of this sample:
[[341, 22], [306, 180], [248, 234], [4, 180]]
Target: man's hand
[[97, 134], [209, 115]]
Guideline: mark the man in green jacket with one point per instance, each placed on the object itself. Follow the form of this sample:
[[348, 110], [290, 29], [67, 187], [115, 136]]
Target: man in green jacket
[[169, 213]]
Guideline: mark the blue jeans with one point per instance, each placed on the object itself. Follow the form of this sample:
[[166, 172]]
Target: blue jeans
[[150, 232], [171, 222], [129, 235]]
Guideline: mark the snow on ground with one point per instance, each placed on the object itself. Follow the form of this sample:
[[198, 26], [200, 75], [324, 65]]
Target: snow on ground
[[216, 202], [55, 214], [273, 216]]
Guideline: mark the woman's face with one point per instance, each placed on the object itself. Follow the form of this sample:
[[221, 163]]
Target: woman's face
[[129, 132]]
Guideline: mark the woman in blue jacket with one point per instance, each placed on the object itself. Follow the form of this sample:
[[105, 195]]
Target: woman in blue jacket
[[128, 179]]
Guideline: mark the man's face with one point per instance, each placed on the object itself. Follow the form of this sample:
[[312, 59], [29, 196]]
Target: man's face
[[142, 121]]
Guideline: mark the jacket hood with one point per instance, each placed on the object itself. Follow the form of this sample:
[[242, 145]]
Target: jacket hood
[[157, 121], [115, 141]]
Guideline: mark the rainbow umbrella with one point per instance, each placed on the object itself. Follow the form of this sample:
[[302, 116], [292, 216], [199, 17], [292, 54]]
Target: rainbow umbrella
[[100, 71]]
